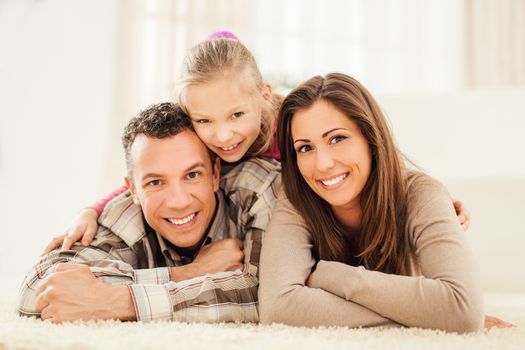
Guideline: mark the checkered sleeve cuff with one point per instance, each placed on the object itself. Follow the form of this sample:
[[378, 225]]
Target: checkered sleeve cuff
[[152, 302], [159, 275]]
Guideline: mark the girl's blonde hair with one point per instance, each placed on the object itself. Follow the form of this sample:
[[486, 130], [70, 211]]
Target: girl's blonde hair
[[228, 58]]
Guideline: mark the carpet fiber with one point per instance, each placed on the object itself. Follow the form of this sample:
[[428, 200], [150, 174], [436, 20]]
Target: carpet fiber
[[27, 333]]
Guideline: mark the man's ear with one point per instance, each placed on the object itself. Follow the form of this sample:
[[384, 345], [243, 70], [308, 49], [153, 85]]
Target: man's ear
[[267, 92], [133, 190], [216, 174]]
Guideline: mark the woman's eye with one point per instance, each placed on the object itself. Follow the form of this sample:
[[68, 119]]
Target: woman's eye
[[202, 121], [304, 149], [237, 115], [337, 139], [193, 175]]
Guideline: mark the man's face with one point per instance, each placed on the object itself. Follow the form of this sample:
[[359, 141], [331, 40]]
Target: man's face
[[174, 184]]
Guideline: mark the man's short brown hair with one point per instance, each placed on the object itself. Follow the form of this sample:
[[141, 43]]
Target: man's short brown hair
[[159, 121]]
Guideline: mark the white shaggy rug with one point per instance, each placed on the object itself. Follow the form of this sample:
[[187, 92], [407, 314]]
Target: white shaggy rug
[[26, 333]]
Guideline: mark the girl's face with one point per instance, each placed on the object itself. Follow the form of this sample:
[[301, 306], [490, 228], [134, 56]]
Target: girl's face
[[333, 156], [225, 116]]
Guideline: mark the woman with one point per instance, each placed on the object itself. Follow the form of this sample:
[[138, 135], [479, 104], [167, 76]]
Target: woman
[[357, 239]]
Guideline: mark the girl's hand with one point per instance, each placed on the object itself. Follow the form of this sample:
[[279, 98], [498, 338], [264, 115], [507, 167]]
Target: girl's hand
[[84, 227], [463, 214]]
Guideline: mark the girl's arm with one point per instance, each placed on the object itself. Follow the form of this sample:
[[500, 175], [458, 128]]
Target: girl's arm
[[84, 226], [447, 294], [286, 263]]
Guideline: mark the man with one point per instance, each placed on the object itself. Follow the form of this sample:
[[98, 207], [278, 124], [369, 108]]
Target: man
[[183, 244]]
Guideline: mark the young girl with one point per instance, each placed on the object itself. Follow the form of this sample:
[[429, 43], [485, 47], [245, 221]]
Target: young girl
[[232, 109]]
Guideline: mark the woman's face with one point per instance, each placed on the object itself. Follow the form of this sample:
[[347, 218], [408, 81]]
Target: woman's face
[[333, 156], [225, 116]]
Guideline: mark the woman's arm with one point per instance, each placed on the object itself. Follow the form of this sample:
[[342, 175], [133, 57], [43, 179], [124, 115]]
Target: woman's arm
[[447, 295], [286, 263]]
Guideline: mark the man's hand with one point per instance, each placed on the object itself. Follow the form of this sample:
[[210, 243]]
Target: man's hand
[[72, 293], [220, 256]]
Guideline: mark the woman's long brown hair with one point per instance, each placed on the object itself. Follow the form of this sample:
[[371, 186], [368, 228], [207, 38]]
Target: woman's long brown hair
[[382, 243]]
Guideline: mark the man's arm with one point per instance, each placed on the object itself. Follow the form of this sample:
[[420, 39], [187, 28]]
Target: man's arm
[[105, 271]]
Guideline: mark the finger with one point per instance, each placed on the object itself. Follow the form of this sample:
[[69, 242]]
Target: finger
[[458, 205], [69, 267], [466, 225], [55, 243], [41, 301], [48, 315], [68, 242], [88, 236], [73, 236], [50, 247]]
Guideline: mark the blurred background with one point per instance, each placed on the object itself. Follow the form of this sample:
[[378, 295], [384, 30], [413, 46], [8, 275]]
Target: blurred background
[[450, 75]]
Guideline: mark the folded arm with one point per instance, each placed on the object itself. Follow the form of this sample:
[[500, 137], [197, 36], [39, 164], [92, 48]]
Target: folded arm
[[217, 297], [446, 296], [286, 264]]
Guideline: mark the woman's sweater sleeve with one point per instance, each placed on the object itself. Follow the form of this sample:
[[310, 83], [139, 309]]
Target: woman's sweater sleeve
[[286, 263], [447, 294]]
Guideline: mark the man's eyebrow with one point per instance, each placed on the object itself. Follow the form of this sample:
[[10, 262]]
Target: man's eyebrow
[[149, 175], [194, 166], [188, 169]]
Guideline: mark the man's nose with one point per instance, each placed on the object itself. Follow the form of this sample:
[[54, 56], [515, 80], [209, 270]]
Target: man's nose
[[179, 197]]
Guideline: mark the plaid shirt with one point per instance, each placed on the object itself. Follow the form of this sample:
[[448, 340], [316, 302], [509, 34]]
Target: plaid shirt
[[127, 251]]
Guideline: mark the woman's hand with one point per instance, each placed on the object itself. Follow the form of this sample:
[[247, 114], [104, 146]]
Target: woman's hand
[[84, 227], [463, 214], [491, 321]]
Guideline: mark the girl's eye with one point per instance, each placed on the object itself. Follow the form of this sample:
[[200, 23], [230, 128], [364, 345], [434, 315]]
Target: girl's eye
[[237, 115], [193, 175], [202, 121], [337, 139], [304, 149]]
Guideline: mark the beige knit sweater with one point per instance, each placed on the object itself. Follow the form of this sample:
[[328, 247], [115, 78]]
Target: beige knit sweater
[[444, 295]]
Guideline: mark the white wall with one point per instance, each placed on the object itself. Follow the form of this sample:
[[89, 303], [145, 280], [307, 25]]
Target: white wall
[[57, 62], [473, 142]]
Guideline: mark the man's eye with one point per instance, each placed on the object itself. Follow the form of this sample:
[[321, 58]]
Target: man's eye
[[193, 175], [337, 139], [237, 115], [154, 183], [304, 149]]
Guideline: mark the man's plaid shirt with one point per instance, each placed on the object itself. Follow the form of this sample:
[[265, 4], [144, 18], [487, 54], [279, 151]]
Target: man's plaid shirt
[[127, 251]]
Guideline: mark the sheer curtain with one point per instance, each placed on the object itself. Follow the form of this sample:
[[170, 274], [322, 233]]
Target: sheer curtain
[[395, 47], [495, 37]]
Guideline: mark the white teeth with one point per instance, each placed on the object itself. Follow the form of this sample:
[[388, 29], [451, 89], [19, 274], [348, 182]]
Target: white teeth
[[334, 181], [183, 220], [229, 148]]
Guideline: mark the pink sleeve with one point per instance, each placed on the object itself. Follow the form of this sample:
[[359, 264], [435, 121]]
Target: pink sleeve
[[101, 204], [274, 151]]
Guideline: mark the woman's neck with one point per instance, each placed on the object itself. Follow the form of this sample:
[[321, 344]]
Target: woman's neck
[[349, 215]]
